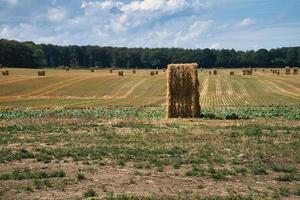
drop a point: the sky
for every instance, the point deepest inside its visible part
(214, 24)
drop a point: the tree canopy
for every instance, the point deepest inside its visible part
(31, 55)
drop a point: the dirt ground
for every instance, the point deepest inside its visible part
(107, 178)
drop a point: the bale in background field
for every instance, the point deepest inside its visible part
(92, 69)
(134, 71)
(5, 73)
(295, 70)
(231, 73)
(215, 72)
(152, 73)
(67, 68)
(156, 72)
(120, 73)
(182, 91)
(287, 70)
(164, 69)
(41, 73)
(110, 71)
(278, 72)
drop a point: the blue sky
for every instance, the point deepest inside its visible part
(238, 24)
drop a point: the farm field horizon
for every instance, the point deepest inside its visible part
(82, 88)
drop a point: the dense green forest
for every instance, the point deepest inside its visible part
(29, 54)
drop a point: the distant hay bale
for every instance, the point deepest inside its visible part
(120, 73)
(156, 72)
(134, 71)
(278, 72)
(41, 73)
(164, 69)
(5, 73)
(247, 71)
(92, 69)
(263, 70)
(152, 73)
(295, 71)
(274, 71)
(209, 73)
(231, 73)
(215, 72)
(287, 70)
(110, 71)
(183, 91)
(67, 68)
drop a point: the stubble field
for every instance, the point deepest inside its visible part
(23, 88)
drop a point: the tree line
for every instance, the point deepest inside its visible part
(31, 55)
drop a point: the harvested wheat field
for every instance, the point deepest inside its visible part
(59, 88)
(83, 135)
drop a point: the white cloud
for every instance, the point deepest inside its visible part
(11, 2)
(215, 46)
(195, 30)
(245, 22)
(56, 14)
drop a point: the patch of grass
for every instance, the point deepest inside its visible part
(297, 192)
(26, 173)
(284, 168)
(89, 193)
(288, 177)
(220, 174)
(196, 171)
(285, 192)
(258, 169)
(240, 170)
(80, 177)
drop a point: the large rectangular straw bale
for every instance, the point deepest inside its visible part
(152, 73)
(120, 73)
(134, 71)
(287, 70)
(41, 73)
(295, 70)
(183, 91)
(231, 73)
(215, 72)
(5, 73)
(92, 69)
